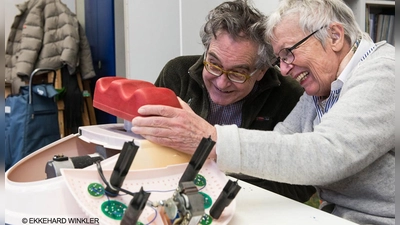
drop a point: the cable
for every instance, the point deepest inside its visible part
(155, 216)
(100, 170)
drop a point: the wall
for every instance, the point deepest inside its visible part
(194, 14)
(120, 69)
(159, 30)
(151, 36)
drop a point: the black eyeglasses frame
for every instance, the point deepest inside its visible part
(278, 59)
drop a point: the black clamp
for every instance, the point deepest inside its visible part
(121, 168)
(225, 198)
(135, 208)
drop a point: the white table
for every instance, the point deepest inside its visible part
(255, 205)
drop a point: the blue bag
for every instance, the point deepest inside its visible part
(31, 119)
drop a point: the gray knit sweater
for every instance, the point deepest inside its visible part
(349, 156)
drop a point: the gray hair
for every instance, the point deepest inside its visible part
(240, 20)
(314, 14)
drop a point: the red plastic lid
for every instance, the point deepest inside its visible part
(122, 97)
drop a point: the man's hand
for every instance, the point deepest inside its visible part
(180, 129)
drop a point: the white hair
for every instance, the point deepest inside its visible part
(314, 14)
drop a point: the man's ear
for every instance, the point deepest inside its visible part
(262, 73)
(336, 32)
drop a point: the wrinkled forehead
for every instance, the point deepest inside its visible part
(286, 33)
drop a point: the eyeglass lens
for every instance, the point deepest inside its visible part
(216, 71)
(286, 54)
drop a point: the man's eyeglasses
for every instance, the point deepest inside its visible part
(232, 75)
(286, 54)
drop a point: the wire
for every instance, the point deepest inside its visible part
(155, 216)
(100, 170)
(177, 221)
(201, 188)
(160, 190)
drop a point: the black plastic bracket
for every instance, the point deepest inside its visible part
(225, 198)
(121, 168)
(197, 160)
(135, 208)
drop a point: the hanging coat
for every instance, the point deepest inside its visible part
(46, 34)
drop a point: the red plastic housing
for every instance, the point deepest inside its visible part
(122, 97)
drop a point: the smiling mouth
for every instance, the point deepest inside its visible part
(302, 77)
(225, 92)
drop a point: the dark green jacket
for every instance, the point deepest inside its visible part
(275, 97)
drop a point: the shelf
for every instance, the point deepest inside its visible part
(363, 8)
(380, 3)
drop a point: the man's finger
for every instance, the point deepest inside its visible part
(157, 110)
(184, 105)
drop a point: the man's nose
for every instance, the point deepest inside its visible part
(223, 81)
